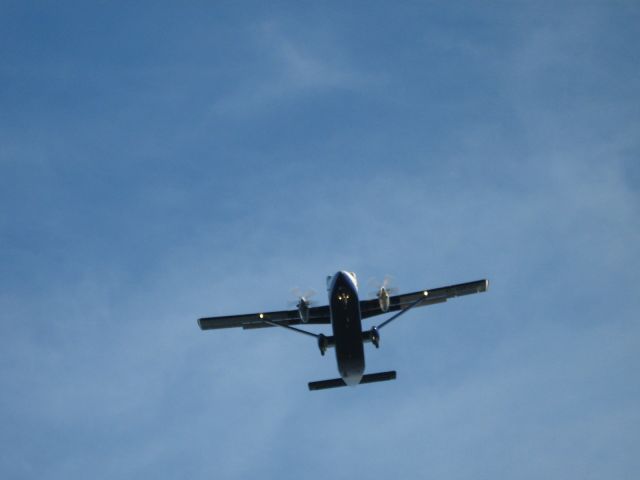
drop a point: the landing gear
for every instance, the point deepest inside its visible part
(375, 337)
(323, 344)
(372, 336)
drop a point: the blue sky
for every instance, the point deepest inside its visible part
(162, 163)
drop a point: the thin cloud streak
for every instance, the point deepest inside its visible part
(289, 69)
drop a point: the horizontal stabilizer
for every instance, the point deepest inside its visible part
(322, 384)
(378, 377)
(338, 382)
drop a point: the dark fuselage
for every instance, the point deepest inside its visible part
(347, 327)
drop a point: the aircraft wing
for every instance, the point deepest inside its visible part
(317, 315)
(370, 308)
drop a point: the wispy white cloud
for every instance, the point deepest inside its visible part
(286, 66)
(106, 372)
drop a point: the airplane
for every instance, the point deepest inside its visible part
(345, 313)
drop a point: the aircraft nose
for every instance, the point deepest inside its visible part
(338, 277)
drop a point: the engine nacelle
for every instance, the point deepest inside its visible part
(303, 310)
(383, 299)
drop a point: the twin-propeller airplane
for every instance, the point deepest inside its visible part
(345, 313)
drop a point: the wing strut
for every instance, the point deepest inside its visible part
(414, 304)
(324, 342)
(299, 330)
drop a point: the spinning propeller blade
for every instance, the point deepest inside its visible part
(386, 284)
(299, 294)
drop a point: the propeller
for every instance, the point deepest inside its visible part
(383, 292)
(303, 303)
(377, 285)
(300, 295)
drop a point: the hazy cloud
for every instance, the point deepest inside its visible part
(115, 240)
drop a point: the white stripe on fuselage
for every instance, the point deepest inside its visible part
(350, 276)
